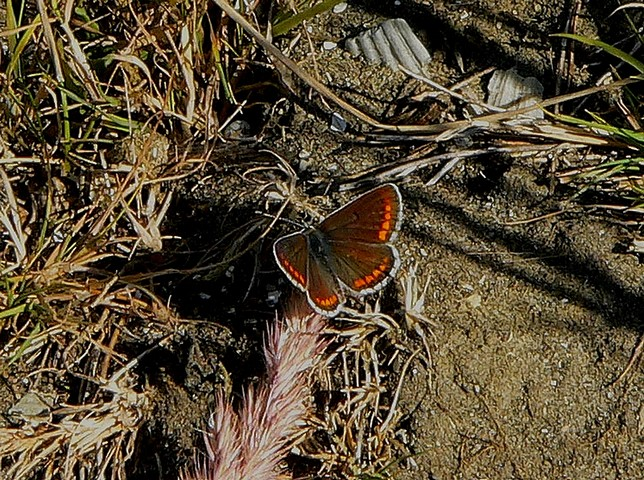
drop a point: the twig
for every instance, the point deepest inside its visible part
(566, 54)
(405, 167)
(635, 357)
(394, 402)
(534, 219)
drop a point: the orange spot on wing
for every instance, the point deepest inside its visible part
(385, 228)
(375, 276)
(327, 303)
(294, 272)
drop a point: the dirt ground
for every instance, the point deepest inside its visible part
(536, 323)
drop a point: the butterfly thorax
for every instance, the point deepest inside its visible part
(319, 245)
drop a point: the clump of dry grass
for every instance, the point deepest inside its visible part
(614, 180)
(92, 99)
(96, 437)
(356, 429)
(64, 312)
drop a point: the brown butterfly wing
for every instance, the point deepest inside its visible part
(324, 292)
(308, 273)
(292, 255)
(363, 267)
(374, 217)
(358, 236)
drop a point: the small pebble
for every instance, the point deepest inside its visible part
(237, 129)
(272, 298)
(338, 124)
(340, 7)
(30, 405)
(304, 164)
(474, 300)
(329, 45)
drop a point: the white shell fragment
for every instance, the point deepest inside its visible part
(340, 7)
(392, 42)
(507, 89)
(636, 246)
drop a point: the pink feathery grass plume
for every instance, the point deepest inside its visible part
(250, 444)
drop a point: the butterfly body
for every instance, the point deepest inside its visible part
(319, 244)
(350, 251)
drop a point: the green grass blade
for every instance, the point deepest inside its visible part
(10, 312)
(20, 46)
(284, 26)
(631, 136)
(616, 52)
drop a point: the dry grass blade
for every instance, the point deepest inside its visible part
(12, 223)
(355, 436)
(82, 439)
(415, 298)
(51, 41)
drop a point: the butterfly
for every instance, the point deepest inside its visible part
(349, 252)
